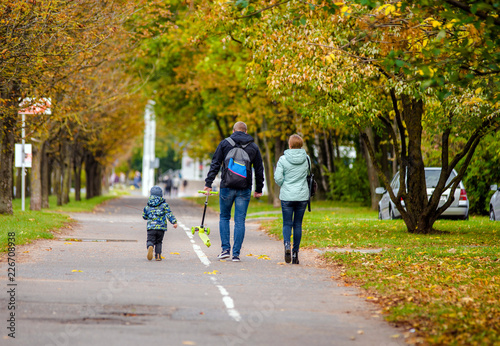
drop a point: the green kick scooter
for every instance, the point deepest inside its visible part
(203, 231)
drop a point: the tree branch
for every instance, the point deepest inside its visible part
(264, 9)
(467, 8)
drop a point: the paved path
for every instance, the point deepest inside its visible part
(107, 293)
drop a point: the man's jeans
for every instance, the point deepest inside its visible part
(293, 213)
(240, 198)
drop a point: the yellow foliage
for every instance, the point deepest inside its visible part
(330, 58)
(345, 10)
(388, 9)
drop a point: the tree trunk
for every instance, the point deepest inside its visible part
(77, 170)
(269, 171)
(98, 179)
(66, 172)
(416, 201)
(372, 173)
(27, 184)
(328, 152)
(89, 176)
(45, 174)
(384, 159)
(93, 172)
(279, 148)
(18, 193)
(36, 177)
(78, 182)
(57, 177)
(6, 163)
(321, 163)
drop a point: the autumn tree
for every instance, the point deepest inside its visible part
(201, 87)
(44, 44)
(399, 67)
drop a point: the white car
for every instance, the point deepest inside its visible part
(495, 204)
(459, 209)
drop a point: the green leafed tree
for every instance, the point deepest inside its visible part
(403, 68)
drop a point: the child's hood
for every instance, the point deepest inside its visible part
(155, 201)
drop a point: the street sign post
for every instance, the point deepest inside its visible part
(29, 107)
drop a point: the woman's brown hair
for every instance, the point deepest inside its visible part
(295, 142)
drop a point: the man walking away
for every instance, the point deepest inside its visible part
(236, 155)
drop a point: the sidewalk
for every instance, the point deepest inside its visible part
(94, 286)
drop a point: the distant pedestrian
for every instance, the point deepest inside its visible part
(236, 184)
(137, 180)
(168, 185)
(176, 183)
(290, 175)
(157, 212)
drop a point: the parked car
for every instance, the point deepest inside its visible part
(459, 209)
(495, 203)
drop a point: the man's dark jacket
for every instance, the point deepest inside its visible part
(253, 152)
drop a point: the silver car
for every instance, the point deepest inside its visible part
(495, 204)
(459, 209)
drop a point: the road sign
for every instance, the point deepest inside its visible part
(27, 155)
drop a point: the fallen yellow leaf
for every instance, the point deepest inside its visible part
(77, 271)
(211, 273)
(174, 253)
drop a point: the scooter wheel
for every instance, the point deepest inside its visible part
(208, 243)
(194, 229)
(207, 231)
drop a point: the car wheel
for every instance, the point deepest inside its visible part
(492, 214)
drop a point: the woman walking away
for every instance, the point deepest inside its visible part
(290, 175)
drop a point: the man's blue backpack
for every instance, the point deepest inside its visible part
(237, 166)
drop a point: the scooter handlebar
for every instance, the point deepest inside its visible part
(211, 192)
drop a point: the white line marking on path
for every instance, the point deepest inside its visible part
(226, 299)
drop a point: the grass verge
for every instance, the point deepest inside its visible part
(445, 288)
(32, 225)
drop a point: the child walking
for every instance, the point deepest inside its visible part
(157, 212)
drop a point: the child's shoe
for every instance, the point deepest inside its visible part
(150, 253)
(158, 257)
(295, 257)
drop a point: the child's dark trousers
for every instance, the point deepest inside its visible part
(155, 239)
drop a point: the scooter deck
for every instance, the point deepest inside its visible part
(203, 234)
(204, 238)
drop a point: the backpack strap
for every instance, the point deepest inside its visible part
(233, 143)
(309, 164)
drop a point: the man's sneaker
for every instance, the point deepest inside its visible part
(158, 257)
(150, 253)
(288, 253)
(236, 259)
(224, 254)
